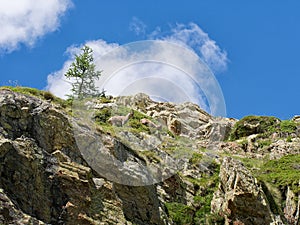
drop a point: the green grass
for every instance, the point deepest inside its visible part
(104, 100)
(177, 147)
(264, 143)
(203, 200)
(151, 156)
(275, 175)
(102, 116)
(181, 214)
(288, 126)
(252, 163)
(282, 172)
(196, 158)
(289, 139)
(264, 126)
(253, 125)
(44, 95)
(200, 211)
(243, 143)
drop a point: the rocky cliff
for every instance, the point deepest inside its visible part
(64, 163)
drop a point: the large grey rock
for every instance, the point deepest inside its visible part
(292, 207)
(186, 119)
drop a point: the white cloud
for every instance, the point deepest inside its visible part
(194, 37)
(24, 21)
(137, 26)
(164, 71)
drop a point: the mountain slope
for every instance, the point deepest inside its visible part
(65, 164)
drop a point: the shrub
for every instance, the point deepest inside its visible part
(288, 126)
(48, 96)
(102, 115)
(104, 99)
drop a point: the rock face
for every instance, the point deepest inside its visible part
(42, 170)
(292, 207)
(184, 119)
(239, 197)
(47, 177)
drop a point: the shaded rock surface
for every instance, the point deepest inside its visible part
(239, 197)
(46, 177)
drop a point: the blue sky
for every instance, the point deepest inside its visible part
(255, 44)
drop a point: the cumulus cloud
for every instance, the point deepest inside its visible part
(24, 21)
(137, 26)
(168, 69)
(194, 37)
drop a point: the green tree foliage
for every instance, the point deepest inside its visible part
(82, 72)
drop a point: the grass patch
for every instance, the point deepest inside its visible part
(200, 211)
(253, 125)
(203, 200)
(151, 155)
(104, 99)
(264, 143)
(44, 95)
(196, 158)
(264, 126)
(289, 139)
(180, 214)
(243, 143)
(179, 147)
(102, 116)
(288, 126)
(282, 172)
(251, 163)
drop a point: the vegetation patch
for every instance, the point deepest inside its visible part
(264, 126)
(289, 139)
(282, 172)
(196, 158)
(151, 155)
(200, 211)
(253, 125)
(252, 163)
(44, 95)
(288, 126)
(262, 143)
(180, 213)
(203, 200)
(102, 116)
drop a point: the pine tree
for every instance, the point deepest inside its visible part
(82, 70)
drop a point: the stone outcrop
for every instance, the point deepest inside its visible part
(292, 207)
(10, 214)
(182, 119)
(239, 198)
